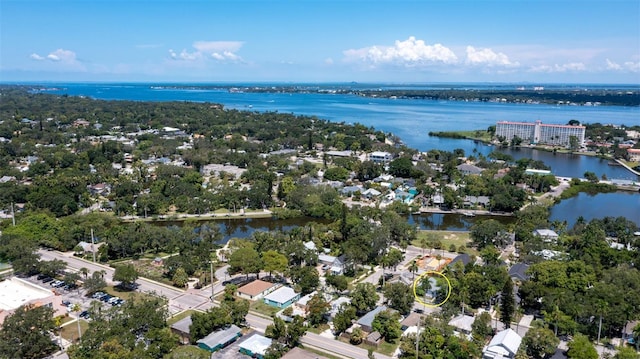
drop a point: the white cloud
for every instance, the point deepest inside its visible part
(35, 56)
(65, 56)
(409, 52)
(328, 61)
(488, 57)
(626, 66)
(568, 67)
(612, 65)
(217, 50)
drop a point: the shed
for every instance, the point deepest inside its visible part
(282, 297)
(255, 346)
(220, 339)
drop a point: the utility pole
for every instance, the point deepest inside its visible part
(211, 262)
(93, 246)
(13, 215)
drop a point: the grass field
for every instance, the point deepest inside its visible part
(70, 331)
(262, 308)
(446, 239)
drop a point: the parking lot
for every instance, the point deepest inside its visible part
(70, 296)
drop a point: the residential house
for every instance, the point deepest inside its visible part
(627, 332)
(467, 169)
(181, 328)
(504, 345)
(220, 339)
(256, 289)
(380, 157)
(336, 265)
(476, 201)
(373, 339)
(366, 321)
(371, 193)
(633, 154)
(547, 235)
(89, 247)
(462, 323)
(255, 346)
(282, 297)
(518, 272)
(302, 302)
(464, 258)
(350, 190)
(336, 304)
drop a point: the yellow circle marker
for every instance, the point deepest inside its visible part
(428, 274)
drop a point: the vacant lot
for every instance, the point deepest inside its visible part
(444, 240)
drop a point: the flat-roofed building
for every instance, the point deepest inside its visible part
(15, 292)
(220, 339)
(539, 133)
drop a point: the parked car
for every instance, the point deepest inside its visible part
(56, 283)
(85, 314)
(47, 280)
(119, 301)
(41, 276)
(105, 298)
(66, 303)
(113, 299)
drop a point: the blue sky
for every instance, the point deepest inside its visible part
(541, 41)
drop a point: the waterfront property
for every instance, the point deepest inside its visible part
(539, 133)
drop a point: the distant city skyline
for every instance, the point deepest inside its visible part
(543, 41)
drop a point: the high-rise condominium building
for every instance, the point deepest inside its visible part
(539, 133)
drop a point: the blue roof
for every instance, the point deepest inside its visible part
(368, 318)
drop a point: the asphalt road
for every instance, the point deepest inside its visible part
(180, 300)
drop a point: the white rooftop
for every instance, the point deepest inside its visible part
(281, 295)
(256, 344)
(505, 343)
(15, 292)
(462, 322)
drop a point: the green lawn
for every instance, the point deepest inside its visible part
(188, 352)
(447, 238)
(317, 330)
(127, 295)
(383, 348)
(262, 308)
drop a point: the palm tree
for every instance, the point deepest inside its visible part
(84, 271)
(413, 268)
(76, 308)
(357, 336)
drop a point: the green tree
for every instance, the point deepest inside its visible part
(307, 279)
(401, 167)
(95, 282)
(245, 260)
(357, 336)
(25, 333)
(344, 318)
(317, 309)
(339, 282)
(364, 297)
(591, 177)
(204, 323)
(387, 323)
(507, 303)
(581, 348)
(626, 353)
(489, 232)
(126, 275)
(274, 262)
(540, 342)
(481, 327)
(180, 278)
(399, 296)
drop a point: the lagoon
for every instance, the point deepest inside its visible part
(589, 206)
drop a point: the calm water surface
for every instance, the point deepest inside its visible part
(412, 120)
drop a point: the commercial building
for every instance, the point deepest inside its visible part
(539, 133)
(15, 292)
(220, 339)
